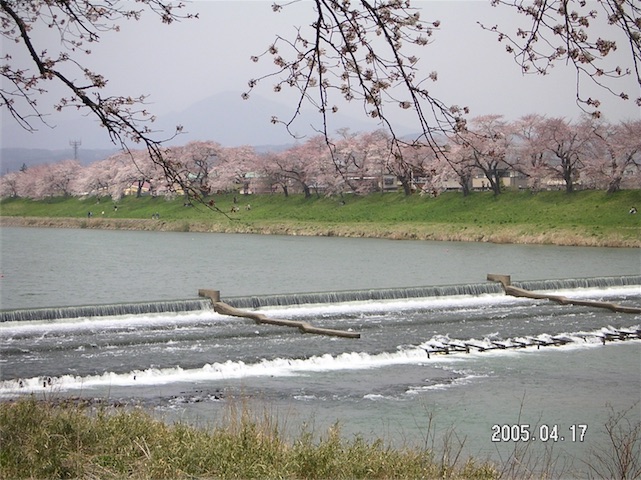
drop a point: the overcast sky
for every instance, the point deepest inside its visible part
(183, 63)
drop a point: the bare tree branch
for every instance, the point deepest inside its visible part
(568, 31)
(79, 24)
(358, 51)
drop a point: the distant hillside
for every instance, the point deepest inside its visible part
(231, 121)
(224, 118)
(12, 159)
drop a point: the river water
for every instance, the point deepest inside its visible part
(47, 267)
(192, 366)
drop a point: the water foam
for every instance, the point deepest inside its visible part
(281, 367)
(8, 329)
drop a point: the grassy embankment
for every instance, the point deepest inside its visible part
(70, 439)
(590, 218)
(47, 440)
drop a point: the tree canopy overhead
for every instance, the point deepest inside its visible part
(79, 24)
(581, 33)
(368, 51)
(362, 52)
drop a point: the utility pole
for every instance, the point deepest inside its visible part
(75, 144)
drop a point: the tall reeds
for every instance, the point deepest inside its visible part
(62, 440)
(71, 439)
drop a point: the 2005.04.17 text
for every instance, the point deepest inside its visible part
(544, 433)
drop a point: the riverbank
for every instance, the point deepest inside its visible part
(399, 231)
(552, 218)
(98, 441)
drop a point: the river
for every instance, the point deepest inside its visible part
(192, 366)
(52, 267)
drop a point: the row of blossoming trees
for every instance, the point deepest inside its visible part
(533, 152)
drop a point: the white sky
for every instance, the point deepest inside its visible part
(180, 64)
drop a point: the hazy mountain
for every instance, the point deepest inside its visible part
(224, 118)
(12, 159)
(231, 121)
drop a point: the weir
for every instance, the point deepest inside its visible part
(515, 291)
(571, 283)
(422, 292)
(260, 301)
(105, 310)
(226, 309)
(286, 300)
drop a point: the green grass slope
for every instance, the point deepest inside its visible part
(581, 218)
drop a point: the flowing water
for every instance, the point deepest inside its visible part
(186, 362)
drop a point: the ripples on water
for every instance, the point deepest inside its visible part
(54, 267)
(190, 366)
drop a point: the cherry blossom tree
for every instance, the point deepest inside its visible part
(614, 156)
(487, 141)
(591, 153)
(47, 180)
(360, 51)
(361, 160)
(306, 167)
(461, 160)
(292, 168)
(10, 185)
(232, 169)
(527, 150)
(417, 162)
(269, 173)
(580, 33)
(97, 178)
(62, 178)
(135, 169)
(28, 180)
(439, 176)
(23, 182)
(193, 163)
(78, 25)
(565, 145)
(326, 176)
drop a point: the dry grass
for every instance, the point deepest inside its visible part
(75, 439)
(46, 440)
(570, 236)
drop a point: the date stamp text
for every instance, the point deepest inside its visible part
(543, 433)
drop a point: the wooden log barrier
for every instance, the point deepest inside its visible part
(520, 292)
(304, 327)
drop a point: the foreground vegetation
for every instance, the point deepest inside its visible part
(47, 440)
(582, 218)
(72, 438)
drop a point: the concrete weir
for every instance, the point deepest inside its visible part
(506, 281)
(304, 327)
